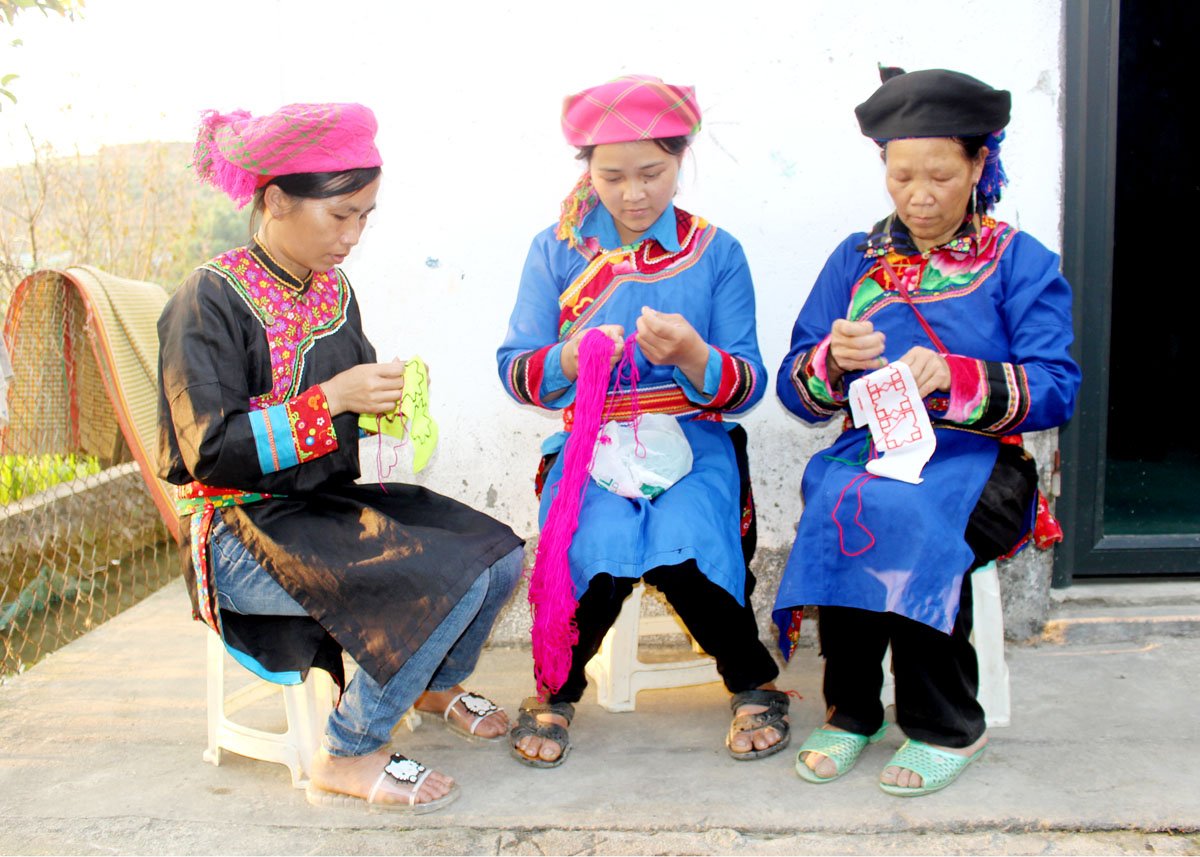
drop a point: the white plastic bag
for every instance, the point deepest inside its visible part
(659, 458)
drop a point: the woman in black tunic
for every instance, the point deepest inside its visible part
(263, 372)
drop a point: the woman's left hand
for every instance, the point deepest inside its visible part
(668, 339)
(930, 370)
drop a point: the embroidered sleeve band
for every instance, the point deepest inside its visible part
(737, 383)
(812, 383)
(987, 395)
(525, 376)
(293, 432)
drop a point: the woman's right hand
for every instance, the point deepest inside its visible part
(853, 346)
(369, 388)
(569, 356)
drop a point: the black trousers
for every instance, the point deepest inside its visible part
(937, 674)
(724, 629)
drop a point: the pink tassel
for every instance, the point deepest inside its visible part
(213, 167)
(551, 589)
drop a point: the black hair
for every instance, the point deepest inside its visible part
(316, 186)
(671, 145)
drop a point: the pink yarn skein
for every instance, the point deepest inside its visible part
(551, 589)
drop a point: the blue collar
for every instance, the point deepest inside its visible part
(599, 224)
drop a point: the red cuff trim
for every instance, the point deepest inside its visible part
(312, 425)
(525, 376)
(736, 384)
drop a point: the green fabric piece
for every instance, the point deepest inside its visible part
(410, 417)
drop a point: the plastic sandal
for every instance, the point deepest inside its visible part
(938, 768)
(528, 724)
(777, 704)
(479, 707)
(843, 748)
(400, 769)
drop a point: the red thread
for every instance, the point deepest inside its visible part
(862, 479)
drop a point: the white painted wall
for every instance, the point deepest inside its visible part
(468, 96)
(475, 165)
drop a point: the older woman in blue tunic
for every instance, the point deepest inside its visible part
(980, 313)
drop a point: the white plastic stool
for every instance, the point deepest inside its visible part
(307, 707)
(987, 635)
(619, 674)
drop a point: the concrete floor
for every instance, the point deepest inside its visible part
(100, 752)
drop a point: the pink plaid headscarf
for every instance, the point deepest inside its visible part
(634, 107)
(237, 153)
(630, 108)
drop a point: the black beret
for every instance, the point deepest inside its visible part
(933, 102)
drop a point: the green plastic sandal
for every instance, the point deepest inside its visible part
(938, 768)
(843, 748)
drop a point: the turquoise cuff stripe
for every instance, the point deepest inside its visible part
(285, 444)
(285, 448)
(258, 425)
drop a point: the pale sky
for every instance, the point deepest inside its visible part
(132, 70)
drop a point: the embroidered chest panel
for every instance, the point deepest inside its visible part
(646, 263)
(949, 272)
(292, 322)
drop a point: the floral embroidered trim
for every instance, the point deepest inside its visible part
(291, 322)
(942, 274)
(311, 424)
(295, 431)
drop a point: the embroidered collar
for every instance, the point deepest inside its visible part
(285, 277)
(891, 234)
(599, 224)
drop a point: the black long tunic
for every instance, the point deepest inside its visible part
(243, 345)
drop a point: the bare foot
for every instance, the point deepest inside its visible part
(536, 747)
(357, 775)
(906, 779)
(435, 702)
(757, 739)
(819, 763)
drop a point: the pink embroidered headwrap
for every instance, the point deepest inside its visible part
(236, 152)
(630, 108)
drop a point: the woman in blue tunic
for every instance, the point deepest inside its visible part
(982, 316)
(623, 259)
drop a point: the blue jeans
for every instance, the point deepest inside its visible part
(363, 720)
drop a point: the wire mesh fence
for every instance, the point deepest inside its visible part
(82, 532)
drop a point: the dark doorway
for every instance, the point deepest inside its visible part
(1152, 483)
(1131, 468)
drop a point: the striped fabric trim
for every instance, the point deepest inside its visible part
(525, 374)
(808, 386)
(1008, 398)
(273, 439)
(663, 399)
(738, 381)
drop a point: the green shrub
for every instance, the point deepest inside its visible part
(22, 475)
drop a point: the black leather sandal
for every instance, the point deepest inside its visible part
(777, 704)
(528, 725)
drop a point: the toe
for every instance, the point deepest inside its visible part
(764, 738)
(550, 751)
(888, 777)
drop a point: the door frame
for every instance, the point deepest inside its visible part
(1091, 33)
